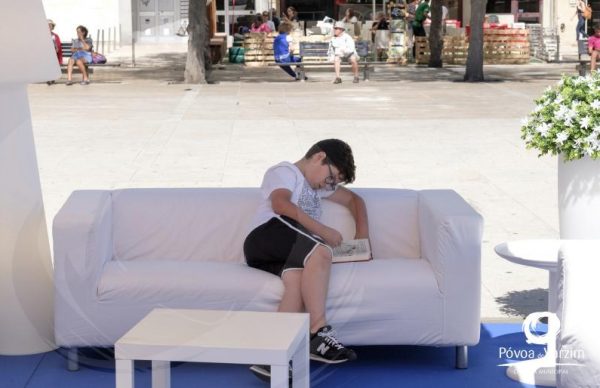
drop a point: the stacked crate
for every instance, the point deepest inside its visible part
(500, 46)
(258, 49)
(543, 42)
(397, 50)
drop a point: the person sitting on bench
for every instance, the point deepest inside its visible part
(342, 48)
(282, 49)
(82, 55)
(594, 47)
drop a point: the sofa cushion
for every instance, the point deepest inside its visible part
(208, 284)
(182, 224)
(394, 296)
(211, 224)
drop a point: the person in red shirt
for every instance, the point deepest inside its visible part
(594, 47)
(56, 41)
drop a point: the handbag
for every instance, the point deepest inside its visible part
(587, 12)
(98, 58)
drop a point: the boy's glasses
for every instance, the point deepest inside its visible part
(330, 181)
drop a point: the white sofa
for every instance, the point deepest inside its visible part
(120, 253)
(578, 290)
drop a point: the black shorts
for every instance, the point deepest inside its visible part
(278, 245)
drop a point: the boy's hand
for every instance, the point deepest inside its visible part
(331, 236)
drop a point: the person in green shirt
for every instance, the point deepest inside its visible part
(420, 17)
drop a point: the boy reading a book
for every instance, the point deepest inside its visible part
(288, 240)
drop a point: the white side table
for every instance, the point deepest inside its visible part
(541, 254)
(233, 337)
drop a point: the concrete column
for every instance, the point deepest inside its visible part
(566, 23)
(26, 287)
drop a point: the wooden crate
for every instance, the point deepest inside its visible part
(509, 46)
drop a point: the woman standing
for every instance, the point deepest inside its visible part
(579, 12)
(382, 35)
(82, 55)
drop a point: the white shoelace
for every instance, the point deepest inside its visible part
(328, 337)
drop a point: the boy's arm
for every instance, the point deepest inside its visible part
(282, 205)
(357, 207)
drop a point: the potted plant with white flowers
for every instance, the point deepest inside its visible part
(566, 122)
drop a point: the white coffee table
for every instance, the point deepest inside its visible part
(541, 254)
(232, 337)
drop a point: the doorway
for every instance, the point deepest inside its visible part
(157, 20)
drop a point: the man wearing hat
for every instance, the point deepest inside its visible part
(342, 48)
(56, 41)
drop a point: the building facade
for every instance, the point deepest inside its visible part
(165, 20)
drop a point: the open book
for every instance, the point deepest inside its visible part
(352, 250)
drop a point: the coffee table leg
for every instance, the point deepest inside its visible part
(124, 373)
(280, 376)
(301, 365)
(161, 374)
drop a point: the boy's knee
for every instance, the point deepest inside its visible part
(322, 253)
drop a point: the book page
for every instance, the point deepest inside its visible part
(351, 248)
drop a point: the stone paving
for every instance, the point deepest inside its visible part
(410, 127)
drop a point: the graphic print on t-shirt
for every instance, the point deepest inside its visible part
(310, 202)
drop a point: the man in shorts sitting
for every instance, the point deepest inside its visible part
(342, 48)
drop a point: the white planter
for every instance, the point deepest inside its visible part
(579, 198)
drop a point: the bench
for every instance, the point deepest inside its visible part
(583, 57)
(67, 53)
(315, 54)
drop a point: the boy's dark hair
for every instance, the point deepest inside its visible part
(596, 27)
(339, 154)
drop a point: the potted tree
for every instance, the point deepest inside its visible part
(566, 122)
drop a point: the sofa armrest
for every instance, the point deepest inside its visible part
(578, 289)
(450, 234)
(82, 232)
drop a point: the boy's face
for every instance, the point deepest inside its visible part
(320, 174)
(597, 33)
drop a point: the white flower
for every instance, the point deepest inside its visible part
(595, 104)
(538, 108)
(568, 121)
(561, 137)
(562, 111)
(524, 121)
(575, 104)
(543, 129)
(585, 122)
(596, 130)
(548, 89)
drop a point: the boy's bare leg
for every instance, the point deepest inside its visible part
(593, 58)
(337, 65)
(315, 284)
(292, 295)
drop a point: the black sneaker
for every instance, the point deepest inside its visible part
(355, 80)
(324, 347)
(263, 372)
(338, 80)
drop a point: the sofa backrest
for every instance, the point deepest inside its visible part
(211, 223)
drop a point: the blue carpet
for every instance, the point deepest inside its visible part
(376, 367)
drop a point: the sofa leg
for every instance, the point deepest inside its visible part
(73, 359)
(462, 357)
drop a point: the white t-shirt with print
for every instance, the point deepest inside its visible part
(286, 175)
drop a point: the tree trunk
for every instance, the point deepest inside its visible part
(436, 40)
(197, 66)
(474, 71)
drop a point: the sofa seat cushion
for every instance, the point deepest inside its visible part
(208, 284)
(397, 296)
(385, 302)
